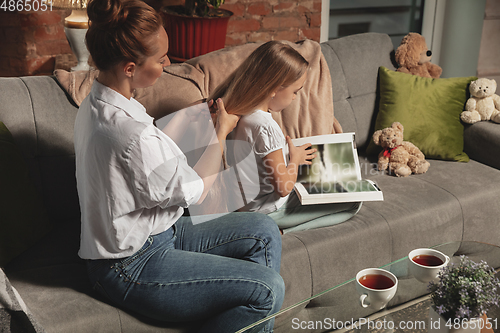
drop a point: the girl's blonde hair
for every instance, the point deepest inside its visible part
(272, 65)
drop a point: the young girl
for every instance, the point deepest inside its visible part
(133, 183)
(269, 80)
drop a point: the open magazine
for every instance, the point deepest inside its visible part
(335, 174)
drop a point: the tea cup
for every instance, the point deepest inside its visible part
(376, 287)
(425, 264)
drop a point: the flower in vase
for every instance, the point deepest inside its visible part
(465, 290)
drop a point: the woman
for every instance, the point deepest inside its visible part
(134, 182)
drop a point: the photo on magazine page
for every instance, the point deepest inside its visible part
(334, 175)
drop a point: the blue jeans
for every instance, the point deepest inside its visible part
(224, 271)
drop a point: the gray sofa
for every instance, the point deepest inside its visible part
(452, 201)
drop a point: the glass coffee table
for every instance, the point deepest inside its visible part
(408, 311)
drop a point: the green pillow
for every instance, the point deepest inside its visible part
(429, 109)
(22, 215)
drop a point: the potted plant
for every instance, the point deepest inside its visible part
(463, 294)
(196, 28)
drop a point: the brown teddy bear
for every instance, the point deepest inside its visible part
(414, 57)
(402, 157)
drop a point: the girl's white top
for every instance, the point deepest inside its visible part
(132, 179)
(264, 135)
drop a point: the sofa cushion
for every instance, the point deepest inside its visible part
(429, 110)
(480, 140)
(14, 315)
(475, 187)
(62, 300)
(23, 216)
(53, 166)
(354, 79)
(170, 92)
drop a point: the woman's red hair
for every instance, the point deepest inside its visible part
(121, 30)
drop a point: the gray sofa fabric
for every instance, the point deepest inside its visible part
(41, 117)
(14, 315)
(452, 201)
(354, 68)
(481, 141)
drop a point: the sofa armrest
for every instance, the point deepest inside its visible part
(482, 143)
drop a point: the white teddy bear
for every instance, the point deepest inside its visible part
(483, 104)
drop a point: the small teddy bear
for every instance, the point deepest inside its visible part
(414, 57)
(483, 104)
(401, 157)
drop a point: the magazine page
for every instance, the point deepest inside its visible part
(192, 130)
(335, 174)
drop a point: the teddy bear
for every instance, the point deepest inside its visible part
(401, 157)
(483, 104)
(414, 57)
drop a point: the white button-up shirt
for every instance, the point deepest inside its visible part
(132, 179)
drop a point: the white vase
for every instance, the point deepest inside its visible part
(76, 40)
(75, 27)
(439, 325)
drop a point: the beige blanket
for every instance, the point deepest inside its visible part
(183, 84)
(169, 94)
(77, 84)
(312, 111)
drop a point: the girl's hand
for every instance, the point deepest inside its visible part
(225, 122)
(301, 154)
(281, 176)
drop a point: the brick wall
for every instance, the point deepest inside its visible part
(30, 41)
(260, 21)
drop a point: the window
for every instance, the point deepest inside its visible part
(394, 17)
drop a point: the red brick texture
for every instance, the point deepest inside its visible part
(31, 41)
(261, 21)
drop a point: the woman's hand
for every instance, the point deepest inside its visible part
(208, 166)
(195, 114)
(225, 122)
(301, 154)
